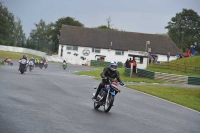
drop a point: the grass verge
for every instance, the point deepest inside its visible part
(187, 97)
(15, 55)
(1, 63)
(96, 74)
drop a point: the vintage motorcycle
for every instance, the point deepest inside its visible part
(22, 66)
(45, 65)
(41, 64)
(64, 65)
(8, 61)
(106, 96)
(31, 65)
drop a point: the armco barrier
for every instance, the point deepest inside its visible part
(127, 72)
(145, 73)
(194, 80)
(103, 64)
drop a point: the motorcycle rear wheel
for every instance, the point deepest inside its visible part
(109, 103)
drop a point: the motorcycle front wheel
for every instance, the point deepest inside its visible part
(96, 106)
(109, 103)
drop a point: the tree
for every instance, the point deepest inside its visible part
(57, 28)
(40, 36)
(108, 27)
(18, 36)
(103, 27)
(184, 28)
(6, 26)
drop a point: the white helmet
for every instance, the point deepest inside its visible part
(113, 65)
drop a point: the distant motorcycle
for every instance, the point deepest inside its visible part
(8, 61)
(64, 65)
(41, 64)
(31, 65)
(45, 65)
(106, 96)
(22, 66)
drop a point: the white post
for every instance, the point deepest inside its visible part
(131, 73)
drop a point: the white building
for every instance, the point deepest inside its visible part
(80, 45)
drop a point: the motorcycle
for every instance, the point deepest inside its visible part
(106, 96)
(8, 61)
(22, 66)
(45, 65)
(31, 65)
(64, 65)
(41, 64)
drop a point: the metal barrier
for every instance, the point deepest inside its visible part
(145, 73)
(194, 80)
(127, 72)
(103, 64)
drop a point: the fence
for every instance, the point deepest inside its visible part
(103, 64)
(178, 67)
(127, 71)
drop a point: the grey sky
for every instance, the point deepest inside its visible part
(144, 16)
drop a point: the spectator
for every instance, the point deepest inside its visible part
(127, 64)
(130, 61)
(134, 66)
(168, 56)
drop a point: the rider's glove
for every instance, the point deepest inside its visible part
(122, 84)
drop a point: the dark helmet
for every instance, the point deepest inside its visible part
(24, 56)
(113, 65)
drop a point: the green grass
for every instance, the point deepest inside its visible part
(192, 60)
(187, 97)
(15, 55)
(96, 74)
(1, 63)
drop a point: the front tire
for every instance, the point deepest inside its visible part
(96, 106)
(109, 103)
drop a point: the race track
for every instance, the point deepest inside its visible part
(54, 100)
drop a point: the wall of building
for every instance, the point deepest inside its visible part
(109, 53)
(163, 58)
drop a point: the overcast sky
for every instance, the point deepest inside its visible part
(144, 16)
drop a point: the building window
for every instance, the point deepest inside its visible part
(96, 50)
(117, 52)
(72, 48)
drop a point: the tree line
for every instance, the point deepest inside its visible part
(183, 29)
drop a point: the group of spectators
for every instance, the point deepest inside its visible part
(131, 62)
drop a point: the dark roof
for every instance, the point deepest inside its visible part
(101, 38)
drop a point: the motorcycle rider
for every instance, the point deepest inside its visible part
(108, 73)
(32, 59)
(23, 57)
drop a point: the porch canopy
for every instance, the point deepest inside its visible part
(141, 57)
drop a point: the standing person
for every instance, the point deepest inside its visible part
(127, 64)
(130, 61)
(168, 56)
(134, 66)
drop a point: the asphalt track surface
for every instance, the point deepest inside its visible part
(54, 100)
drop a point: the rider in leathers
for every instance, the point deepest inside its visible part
(108, 73)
